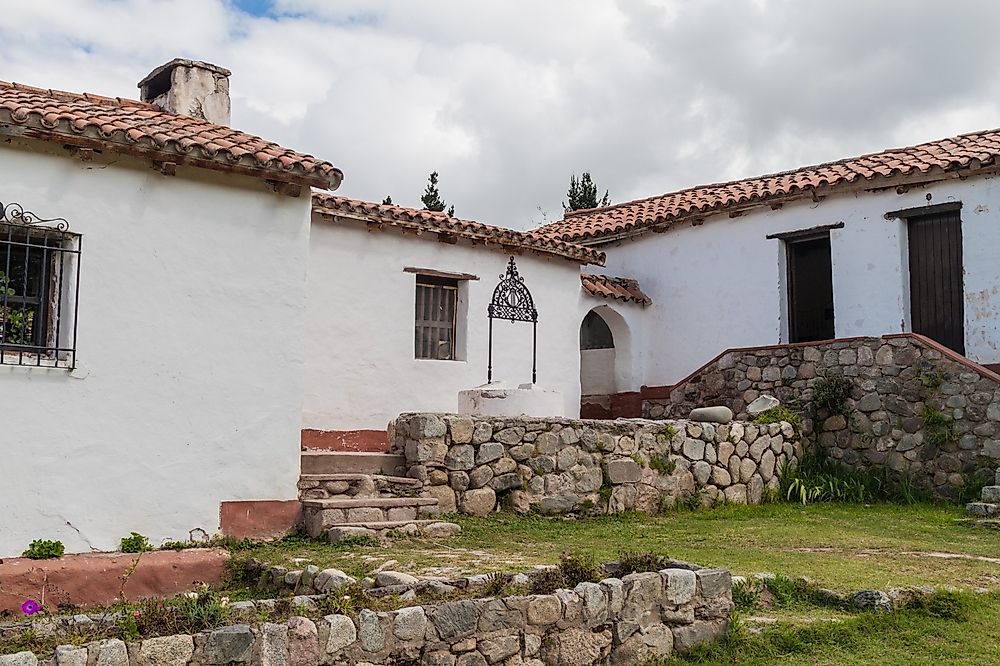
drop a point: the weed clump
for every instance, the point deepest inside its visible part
(44, 549)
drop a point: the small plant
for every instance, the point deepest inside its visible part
(690, 502)
(632, 562)
(134, 543)
(495, 584)
(670, 432)
(662, 463)
(638, 460)
(578, 569)
(777, 415)
(44, 549)
(938, 427)
(746, 594)
(831, 392)
(790, 592)
(943, 604)
(932, 380)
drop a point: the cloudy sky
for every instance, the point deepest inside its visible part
(507, 98)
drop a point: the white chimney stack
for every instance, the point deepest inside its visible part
(190, 88)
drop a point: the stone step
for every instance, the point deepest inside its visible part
(991, 523)
(332, 486)
(982, 509)
(991, 494)
(320, 515)
(324, 462)
(375, 502)
(389, 528)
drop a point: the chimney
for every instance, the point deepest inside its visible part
(190, 88)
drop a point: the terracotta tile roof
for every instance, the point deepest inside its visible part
(137, 128)
(931, 161)
(449, 229)
(607, 286)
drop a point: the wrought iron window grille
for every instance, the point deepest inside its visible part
(39, 289)
(512, 301)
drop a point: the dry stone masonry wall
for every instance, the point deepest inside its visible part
(476, 465)
(627, 619)
(912, 405)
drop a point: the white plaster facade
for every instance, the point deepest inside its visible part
(188, 385)
(361, 372)
(722, 284)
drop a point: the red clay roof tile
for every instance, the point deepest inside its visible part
(936, 158)
(607, 286)
(443, 226)
(132, 127)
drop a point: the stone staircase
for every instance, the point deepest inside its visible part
(987, 511)
(350, 494)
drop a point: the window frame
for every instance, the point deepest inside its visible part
(56, 278)
(451, 287)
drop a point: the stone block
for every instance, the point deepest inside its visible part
(461, 457)
(370, 632)
(719, 414)
(70, 655)
(483, 432)
(478, 502)
(303, 642)
(693, 449)
(166, 651)
(113, 652)
(228, 645)
(456, 619)
(461, 429)
(410, 623)
(575, 647)
(426, 426)
(18, 659)
(991, 494)
(736, 494)
(342, 635)
(543, 610)
(679, 585)
(625, 470)
(505, 482)
(702, 631)
(489, 452)
(497, 649)
(714, 583)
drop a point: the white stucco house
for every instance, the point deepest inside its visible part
(897, 241)
(152, 312)
(397, 316)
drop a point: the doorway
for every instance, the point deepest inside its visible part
(810, 289)
(937, 302)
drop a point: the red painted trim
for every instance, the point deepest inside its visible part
(656, 392)
(259, 519)
(95, 579)
(353, 441)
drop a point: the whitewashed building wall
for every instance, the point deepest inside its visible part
(722, 284)
(188, 385)
(361, 372)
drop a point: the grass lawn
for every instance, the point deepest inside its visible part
(844, 547)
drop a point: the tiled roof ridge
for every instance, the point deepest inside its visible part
(141, 128)
(929, 160)
(68, 96)
(613, 286)
(775, 174)
(441, 223)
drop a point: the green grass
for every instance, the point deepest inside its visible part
(845, 547)
(908, 636)
(840, 546)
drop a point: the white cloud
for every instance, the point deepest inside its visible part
(507, 98)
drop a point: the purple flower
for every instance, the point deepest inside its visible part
(31, 607)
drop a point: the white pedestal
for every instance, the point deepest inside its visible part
(501, 399)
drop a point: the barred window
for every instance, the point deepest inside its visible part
(436, 317)
(39, 267)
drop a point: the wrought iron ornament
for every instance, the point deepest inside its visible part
(512, 301)
(14, 213)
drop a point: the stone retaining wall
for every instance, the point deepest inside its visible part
(627, 619)
(557, 466)
(893, 379)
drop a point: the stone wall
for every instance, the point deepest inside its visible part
(556, 466)
(884, 421)
(627, 619)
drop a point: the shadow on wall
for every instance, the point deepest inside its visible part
(606, 366)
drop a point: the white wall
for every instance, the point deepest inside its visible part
(722, 284)
(188, 384)
(360, 369)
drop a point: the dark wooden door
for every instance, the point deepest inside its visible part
(810, 289)
(937, 302)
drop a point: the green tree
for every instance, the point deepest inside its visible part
(432, 196)
(582, 194)
(387, 201)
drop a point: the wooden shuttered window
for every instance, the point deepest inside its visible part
(436, 317)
